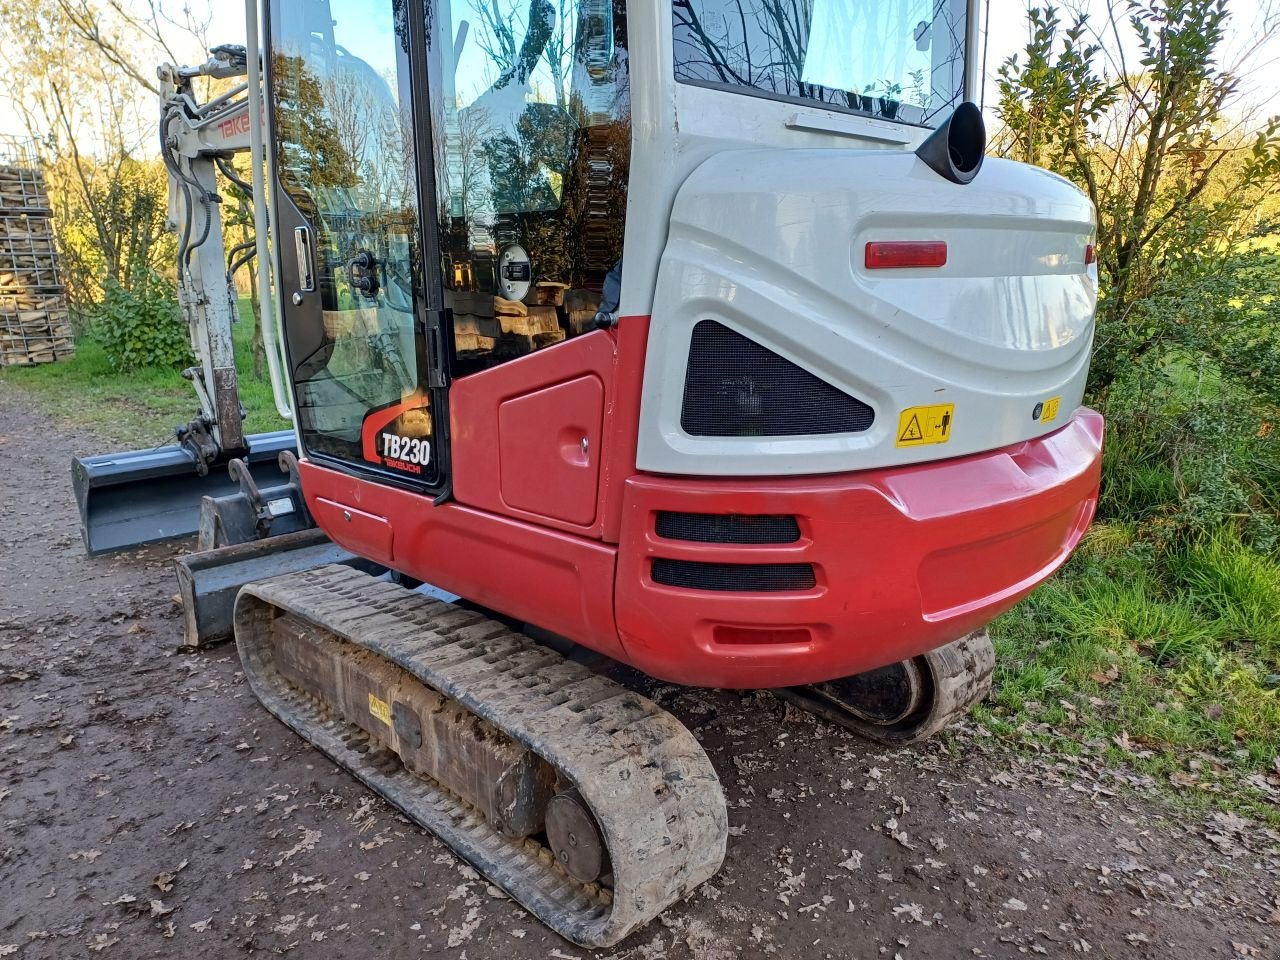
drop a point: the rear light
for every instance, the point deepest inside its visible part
(725, 635)
(1090, 254)
(889, 254)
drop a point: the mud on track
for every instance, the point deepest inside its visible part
(150, 808)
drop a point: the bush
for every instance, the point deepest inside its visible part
(140, 325)
(1191, 455)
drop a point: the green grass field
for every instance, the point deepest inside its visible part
(142, 408)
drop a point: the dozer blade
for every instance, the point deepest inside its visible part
(590, 805)
(209, 580)
(130, 499)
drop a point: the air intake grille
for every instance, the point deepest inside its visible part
(721, 528)
(731, 577)
(734, 387)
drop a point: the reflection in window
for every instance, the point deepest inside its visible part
(894, 59)
(531, 122)
(345, 158)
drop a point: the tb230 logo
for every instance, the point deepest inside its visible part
(409, 453)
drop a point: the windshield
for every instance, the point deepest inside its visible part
(900, 60)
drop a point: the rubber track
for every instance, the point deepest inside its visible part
(960, 675)
(649, 783)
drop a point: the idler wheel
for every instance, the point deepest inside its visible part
(575, 839)
(882, 696)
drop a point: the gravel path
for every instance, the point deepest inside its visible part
(150, 808)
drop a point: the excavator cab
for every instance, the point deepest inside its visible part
(452, 204)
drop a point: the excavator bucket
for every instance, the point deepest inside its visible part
(144, 496)
(209, 580)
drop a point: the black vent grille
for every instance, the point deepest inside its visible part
(732, 528)
(733, 577)
(734, 387)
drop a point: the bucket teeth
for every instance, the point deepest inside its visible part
(475, 731)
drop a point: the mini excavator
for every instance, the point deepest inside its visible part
(699, 333)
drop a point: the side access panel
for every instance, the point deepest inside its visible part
(548, 443)
(518, 432)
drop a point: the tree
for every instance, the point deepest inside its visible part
(1178, 170)
(92, 116)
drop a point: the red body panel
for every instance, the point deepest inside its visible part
(510, 426)
(548, 443)
(906, 559)
(558, 581)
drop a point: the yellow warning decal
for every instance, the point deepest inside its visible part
(380, 709)
(918, 426)
(1050, 411)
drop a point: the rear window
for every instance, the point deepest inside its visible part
(898, 60)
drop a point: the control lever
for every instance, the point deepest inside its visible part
(362, 272)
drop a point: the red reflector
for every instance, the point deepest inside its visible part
(1090, 254)
(760, 636)
(906, 253)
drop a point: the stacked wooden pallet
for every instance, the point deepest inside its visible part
(35, 326)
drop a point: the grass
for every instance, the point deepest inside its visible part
(1171, 666)
(142, 408)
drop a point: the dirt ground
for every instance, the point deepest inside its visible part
(150, 808)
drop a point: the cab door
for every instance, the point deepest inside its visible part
(355, 235)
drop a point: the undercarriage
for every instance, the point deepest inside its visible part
(590, 805)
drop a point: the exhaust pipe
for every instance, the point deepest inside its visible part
(957, 148)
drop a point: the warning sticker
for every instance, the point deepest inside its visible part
(1050, 411)
(380, 709)
(918, 426)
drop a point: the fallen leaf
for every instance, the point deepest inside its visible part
(854, 862)
(164, 881)
(1107, 677)
(913, 911)
(158, 909)
(1013, 903)
(101, 942)
(200, 926)
(88, 856)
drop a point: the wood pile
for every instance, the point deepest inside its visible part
(35, 326)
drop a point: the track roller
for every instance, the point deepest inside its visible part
(590, 805)
(909, 701)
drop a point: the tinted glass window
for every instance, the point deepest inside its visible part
(345, 158)
(894, 59)
(531, 122)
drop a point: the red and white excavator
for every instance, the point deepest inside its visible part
(697, 332)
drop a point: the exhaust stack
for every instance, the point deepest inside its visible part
(956, 149)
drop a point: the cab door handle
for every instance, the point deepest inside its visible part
(302, 245)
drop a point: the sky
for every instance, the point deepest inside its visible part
(1005, 32)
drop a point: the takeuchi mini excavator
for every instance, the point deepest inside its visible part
(698, 333)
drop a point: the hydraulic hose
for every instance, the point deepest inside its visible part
(268, 305)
